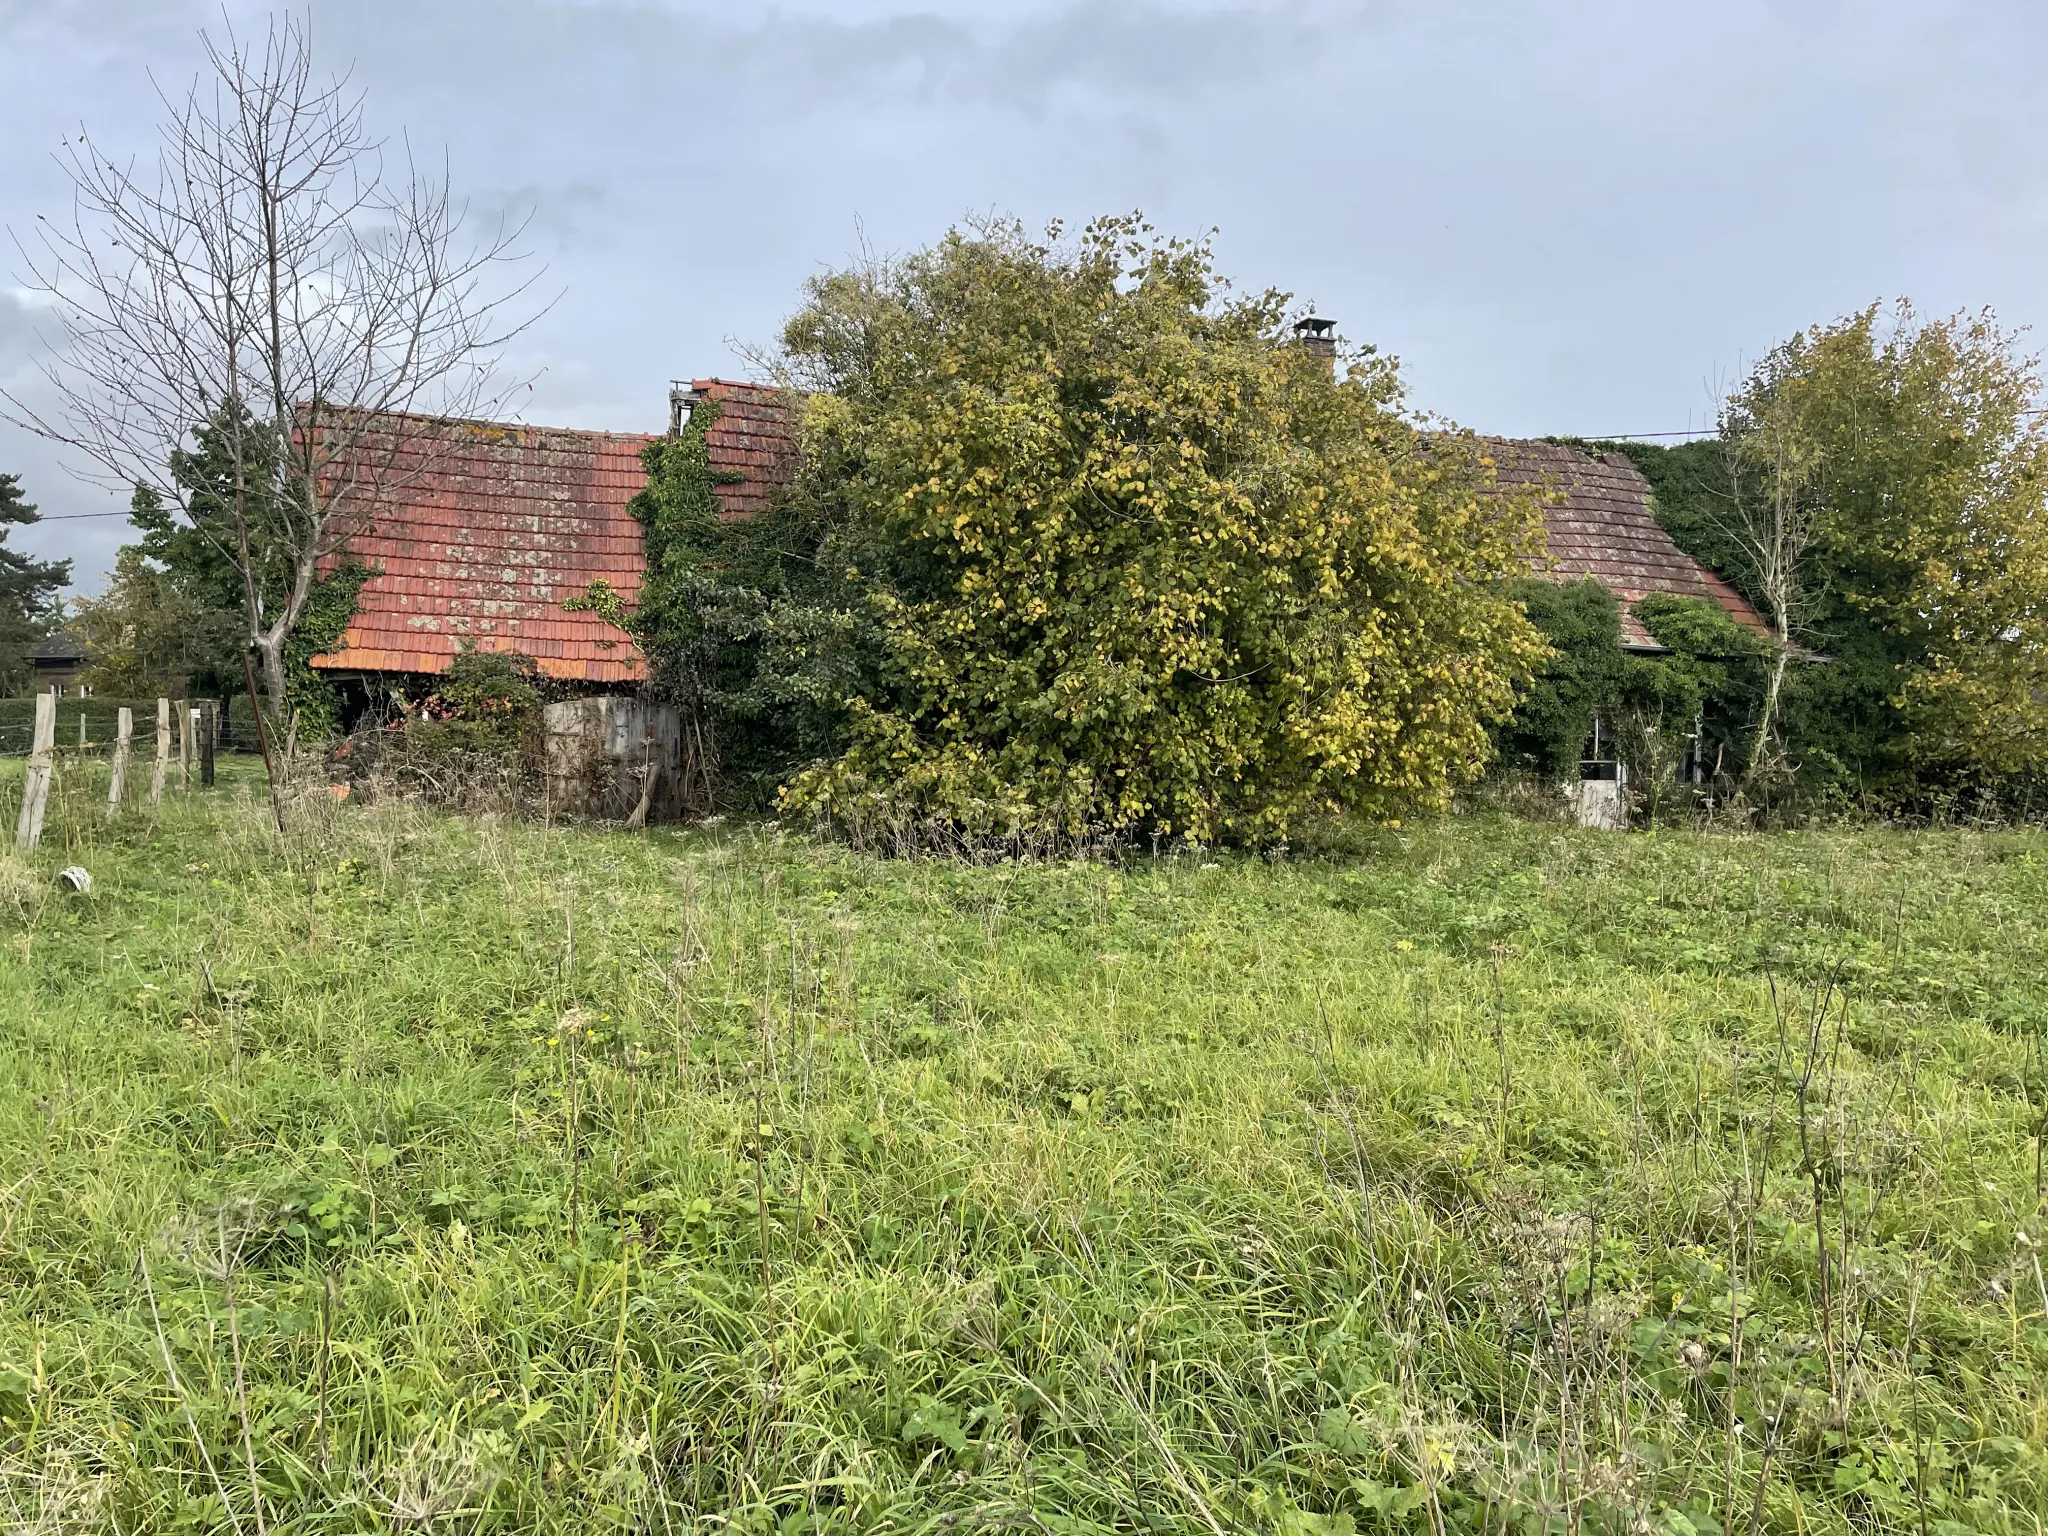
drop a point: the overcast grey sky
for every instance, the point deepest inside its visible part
(1563, 217)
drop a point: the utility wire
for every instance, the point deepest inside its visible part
(74, 517)
(1619, 437)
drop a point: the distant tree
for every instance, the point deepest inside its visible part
(273, 286)
(1774, 521)
(195, 546)
(1135, 559)
(1922, 478)
(1911, 459)
(155, 630)
(194, 535)
(1837, 724)
(28, 589)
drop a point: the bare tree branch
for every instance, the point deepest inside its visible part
(271, 279)
(1772, 521)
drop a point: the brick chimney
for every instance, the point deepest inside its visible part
(1318, 338)
(682, 399)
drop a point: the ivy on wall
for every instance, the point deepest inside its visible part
(747, 623)
(1706, 684)
(330, 609)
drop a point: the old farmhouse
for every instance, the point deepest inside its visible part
(499, 525)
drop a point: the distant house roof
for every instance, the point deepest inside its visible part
(1598, 524)
(487, 529)
(60, 649)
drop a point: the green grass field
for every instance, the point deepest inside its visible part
(434, 1175)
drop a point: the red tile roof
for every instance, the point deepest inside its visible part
(754, 437)
(1598, 523)
(487, 529)
(492, 527)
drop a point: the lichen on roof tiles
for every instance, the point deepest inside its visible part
(480, 530)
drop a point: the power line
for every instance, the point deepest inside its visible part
(73, 517)
(1615, 437)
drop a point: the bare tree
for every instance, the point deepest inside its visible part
(1775, 469)
(270, 281)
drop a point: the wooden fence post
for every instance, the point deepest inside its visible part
(124, 733)
(184, 746)
(163, 752)
(35, 790)
(209, 729)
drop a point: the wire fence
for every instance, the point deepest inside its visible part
(90, 722)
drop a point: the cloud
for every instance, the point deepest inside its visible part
(806, 62)
(19, 314)
(562, 215)
(1561, 217)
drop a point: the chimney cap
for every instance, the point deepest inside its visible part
(1314, 326)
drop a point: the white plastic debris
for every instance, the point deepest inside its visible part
(74, 878)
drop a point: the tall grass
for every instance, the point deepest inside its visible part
(488, 1177)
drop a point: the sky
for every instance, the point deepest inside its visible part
(1580, 217)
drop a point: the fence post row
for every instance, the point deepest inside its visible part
(124, 733)
(35, 791)
(163, 752)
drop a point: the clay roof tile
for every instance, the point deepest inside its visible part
(1598, 523)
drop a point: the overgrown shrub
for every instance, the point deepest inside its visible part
(485, 701)
(1123, 556)
(1702, 690)
(474, 743)
(751, 625)
(1581, 621)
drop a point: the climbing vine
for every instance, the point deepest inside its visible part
(744, 623)
(330, 608)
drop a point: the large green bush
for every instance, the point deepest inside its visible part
(1705, 686)
(1132, 558)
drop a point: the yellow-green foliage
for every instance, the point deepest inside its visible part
(1918, 458)
(1137, 559)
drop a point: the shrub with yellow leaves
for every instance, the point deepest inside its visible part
(1135, 560)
